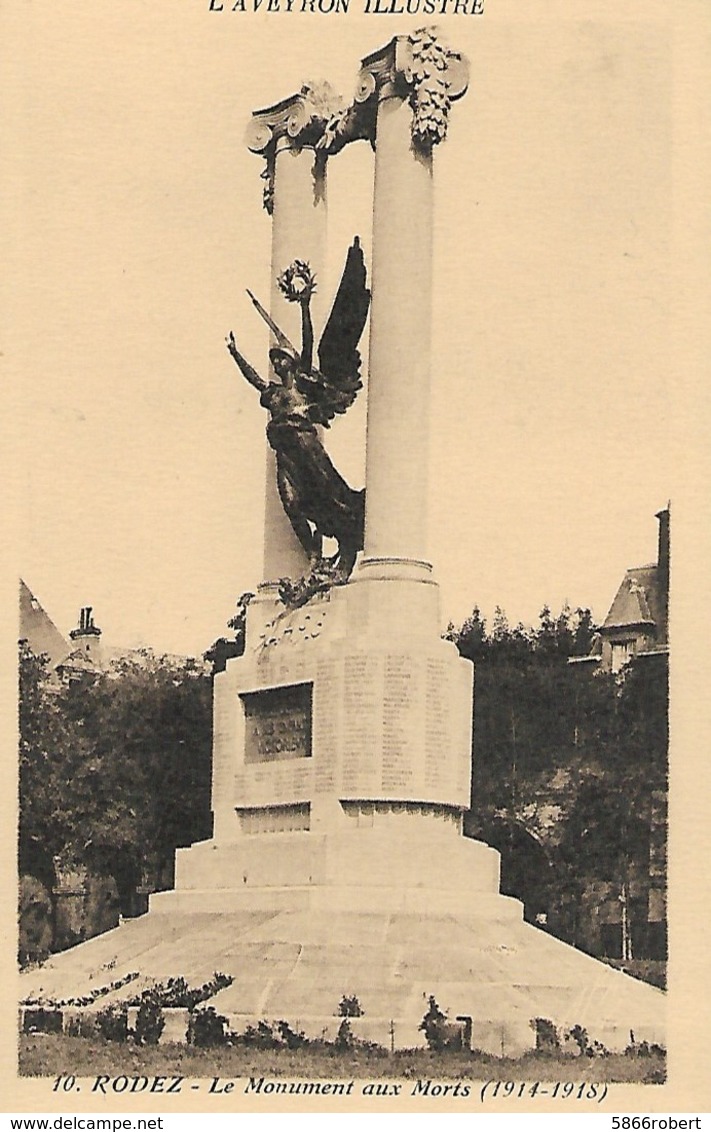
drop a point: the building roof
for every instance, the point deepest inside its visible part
(637, 601)
(78, 659)
(38, 629)
(42, 635)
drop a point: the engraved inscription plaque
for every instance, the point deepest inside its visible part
(277, 723)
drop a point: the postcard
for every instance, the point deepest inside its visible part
(359, 358)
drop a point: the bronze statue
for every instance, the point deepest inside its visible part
(316, 498)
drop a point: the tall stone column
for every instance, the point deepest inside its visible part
(413, 80)
(295, 195)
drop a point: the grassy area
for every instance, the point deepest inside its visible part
(51, 1054)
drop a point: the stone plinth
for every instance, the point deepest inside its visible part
(332, 720)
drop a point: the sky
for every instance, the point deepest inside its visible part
(139, 226)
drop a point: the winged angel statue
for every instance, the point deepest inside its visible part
(316, 498)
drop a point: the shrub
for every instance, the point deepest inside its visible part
(580, 1036)
(274, 1035)
(207, 1028)
(644, 1049)
(177, 993)
(345, 1038)
(43, 1020)
(438, 1032)
(112, 1023)
(350, 1007)
(587, 1048)
(149, 1020)
(547, 1040)
(260, 1036)
(292, 1039)
(85, 999)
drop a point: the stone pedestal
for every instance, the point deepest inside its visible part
(331, 710)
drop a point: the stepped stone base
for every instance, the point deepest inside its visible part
(381, 870)
(294, 949)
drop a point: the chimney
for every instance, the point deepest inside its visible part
(663, 571)
(88, 635)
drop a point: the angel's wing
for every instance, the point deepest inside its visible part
(333, 387)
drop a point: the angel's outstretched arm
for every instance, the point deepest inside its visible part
(245, 368)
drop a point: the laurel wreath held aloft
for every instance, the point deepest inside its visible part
(298, 282)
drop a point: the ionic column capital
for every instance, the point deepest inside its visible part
(296, 123)
(423, 69)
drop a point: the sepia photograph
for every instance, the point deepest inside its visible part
(360, 482)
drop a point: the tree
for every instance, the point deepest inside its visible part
(605, 833)
(584, 632)
(114, 770)
(143, 787)
(576, 759)
(45, 748)
(471, 639)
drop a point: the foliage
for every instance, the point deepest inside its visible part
(586, 1047)
(345, 1038)
(579, 1035)
(292, 1039)
(439, 1034)
(644, 1049)
(91, 756)
(86, 999)
(45, 751)
(35, 921)
(150, 1021)
(112, 1023)
(207, 1028)
(350, 1007)
(532, 711)
(274, 1035)
(261, 1036)
(604, 833)
(176, 992)
(42, 1019)
(569, 764)
(547, 1039)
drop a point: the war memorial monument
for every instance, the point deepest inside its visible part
(342, 736)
